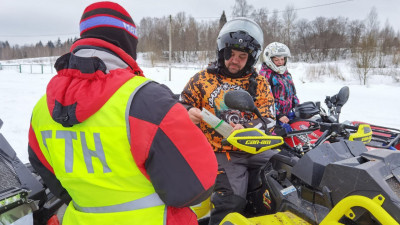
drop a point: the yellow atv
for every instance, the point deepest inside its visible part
(289, 194)
(333, 183)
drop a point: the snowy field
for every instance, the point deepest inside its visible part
(376, 103)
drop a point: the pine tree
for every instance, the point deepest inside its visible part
(222, 20)
(39, 44)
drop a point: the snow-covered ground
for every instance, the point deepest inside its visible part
(376, 103)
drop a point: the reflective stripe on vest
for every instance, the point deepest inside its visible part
(145, 202)
(128, 107)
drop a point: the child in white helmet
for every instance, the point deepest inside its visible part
(274, 69)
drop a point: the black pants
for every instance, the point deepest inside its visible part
(232, 181)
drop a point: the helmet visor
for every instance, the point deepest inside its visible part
(243, 24)
(241, 41)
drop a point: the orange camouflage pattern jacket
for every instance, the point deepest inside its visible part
(207, 90)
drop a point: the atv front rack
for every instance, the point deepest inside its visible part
(374, 206)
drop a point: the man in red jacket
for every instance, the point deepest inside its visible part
(114, 144)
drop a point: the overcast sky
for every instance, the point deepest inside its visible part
(28, 21)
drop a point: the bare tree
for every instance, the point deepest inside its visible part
(372, 22)
(153, 37)
(260, 16)
(191, 39)
(146, 27)
(303, 43)
(241, 8)
(354, 33)
(178, 31)
(318, 38)
(273, 28)
(387, 36)
(289, 16)
(366, 56)
(212, 34)
(336, 37)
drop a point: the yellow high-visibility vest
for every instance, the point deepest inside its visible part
(94, 163)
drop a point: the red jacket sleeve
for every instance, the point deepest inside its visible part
(169, 149)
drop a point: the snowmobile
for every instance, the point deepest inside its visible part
(24, 199)
(310, 118)
(332, 183)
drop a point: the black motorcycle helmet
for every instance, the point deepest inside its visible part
(242, 34)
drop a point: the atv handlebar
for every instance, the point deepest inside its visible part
(332, 132)
(336, 127)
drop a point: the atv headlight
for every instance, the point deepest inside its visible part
(12, 198)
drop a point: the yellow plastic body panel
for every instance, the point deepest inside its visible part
(280, 218)
(253, 140)
(203, 208)
(364, 134)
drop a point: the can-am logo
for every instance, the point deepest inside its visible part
(258, 142)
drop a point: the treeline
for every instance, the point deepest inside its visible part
(321, 39)
(191, 39)
(51, 48)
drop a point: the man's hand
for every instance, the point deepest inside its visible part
(284, 119)
(236, 126)
(195, 115)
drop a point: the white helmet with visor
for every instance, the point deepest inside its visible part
(276, 49)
